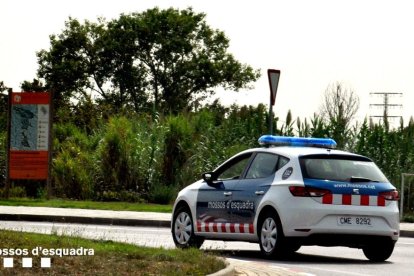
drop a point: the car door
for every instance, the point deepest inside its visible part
(213, 201)
(249, 191)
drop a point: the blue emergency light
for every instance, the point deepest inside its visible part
(271, 140)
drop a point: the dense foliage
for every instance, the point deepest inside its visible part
(139, 157)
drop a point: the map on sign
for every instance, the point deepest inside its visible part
(30, 127)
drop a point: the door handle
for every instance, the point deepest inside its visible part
(259, 193)
(227, 193)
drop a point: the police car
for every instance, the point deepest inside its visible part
(290, 193)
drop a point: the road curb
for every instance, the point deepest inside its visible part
(227, 271)
(406, 234)
(86, 220)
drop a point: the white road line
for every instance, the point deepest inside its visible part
(333, 271)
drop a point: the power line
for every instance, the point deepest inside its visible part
(386, 105)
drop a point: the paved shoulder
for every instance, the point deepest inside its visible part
(85, 216)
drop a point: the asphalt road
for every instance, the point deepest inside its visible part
(311, 260)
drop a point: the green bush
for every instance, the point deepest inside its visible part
(70, 132)
(177, 148)
(73, 172)
(162, 194)
(17, 191)
(74, 162)
(408, 217)
(147, 152)
(116, 172)
(124, 196)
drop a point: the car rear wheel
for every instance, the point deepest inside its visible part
(379, 252)
(270, 235)
(183, 230)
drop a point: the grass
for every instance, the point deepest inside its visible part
(60, 203)
(109, 258)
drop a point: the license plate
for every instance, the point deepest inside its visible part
(355, 221)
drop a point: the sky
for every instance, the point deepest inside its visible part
(366, 44)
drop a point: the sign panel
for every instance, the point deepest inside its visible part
(273, 76)
(29, 135)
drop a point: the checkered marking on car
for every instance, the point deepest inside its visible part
(225, 227)
(347, 199)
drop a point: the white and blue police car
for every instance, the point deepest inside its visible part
(290, 193)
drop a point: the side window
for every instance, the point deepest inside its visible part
(263, 165)
(234, 168)
(282, 161)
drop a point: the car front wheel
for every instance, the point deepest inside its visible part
(183, 230)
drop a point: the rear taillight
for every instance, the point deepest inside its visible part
(308, 191)
(390, 195)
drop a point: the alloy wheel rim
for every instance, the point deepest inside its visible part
(183, 228)
(268, 235)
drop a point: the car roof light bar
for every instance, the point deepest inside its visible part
(271, 140)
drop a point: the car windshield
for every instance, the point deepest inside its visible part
(341, 168)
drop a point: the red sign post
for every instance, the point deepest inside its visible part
(29, 135)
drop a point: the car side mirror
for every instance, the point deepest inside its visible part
(208, 177)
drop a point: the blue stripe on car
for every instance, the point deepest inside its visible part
(340, 187)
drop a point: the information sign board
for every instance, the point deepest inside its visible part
(29, 135)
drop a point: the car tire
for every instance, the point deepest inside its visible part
(183, 229)
(379, 252)
(271, 238)
(290, 248)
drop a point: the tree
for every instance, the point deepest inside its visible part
(2, 87)
(339, 106)
(168, 58)
(71, 65)
(3, 106)
(34, 86)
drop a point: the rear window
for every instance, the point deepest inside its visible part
(341, 168)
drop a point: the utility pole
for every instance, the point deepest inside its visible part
(386, 105)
